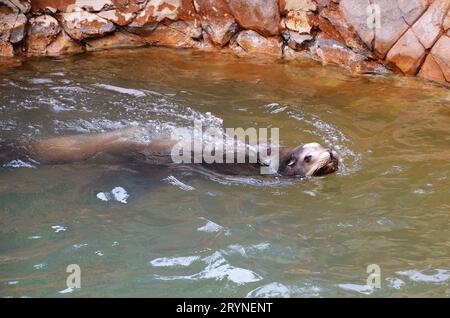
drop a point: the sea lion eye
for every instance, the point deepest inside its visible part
(308, 158)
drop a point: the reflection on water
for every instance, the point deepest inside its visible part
(151, 231)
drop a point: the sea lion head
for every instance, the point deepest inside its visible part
(310, 159)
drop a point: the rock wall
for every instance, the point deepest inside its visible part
(365, 36)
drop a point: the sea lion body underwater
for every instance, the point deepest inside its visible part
(133, 144)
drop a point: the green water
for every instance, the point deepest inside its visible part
(183, 233)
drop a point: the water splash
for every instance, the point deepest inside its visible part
(174, 181)
(218, 268)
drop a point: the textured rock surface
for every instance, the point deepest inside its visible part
(118, 17)
(294, 5)
(407, 53)
(295, 40)
(42, 30)
(129, 6)
(82, 24)
(392, 26)
(64, 44)
(24, 6)
(333, 52)
(431, 70)
(440, 53)
(252, 43)
(217, 20)
(262, 16)
(363, 36)
(333, 25)
(160, 10)
(354, 12)
(12, 22)
(428, 28)
(297, 21)
(118, 39)
(180, 34)
(6, 49)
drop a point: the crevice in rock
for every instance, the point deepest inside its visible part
(420, 16)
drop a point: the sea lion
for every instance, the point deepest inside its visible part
(133, 144)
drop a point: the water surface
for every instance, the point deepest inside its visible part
(169, 232)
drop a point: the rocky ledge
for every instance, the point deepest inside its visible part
(411, 37)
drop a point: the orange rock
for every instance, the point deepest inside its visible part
(179, 34)
(446, 23)
(295, 40)
(441, 54)
(333, 52)
(52, 5)
(217, 20)
(354, 12)
(296, 5)
(251, 43)
(82, 24)
(187, 11)
(161, 10)
(119, 39)
(129, 6)
(63, 44)
(334, 25)
(92, 5)
(407, 54)
(290, 54)
(42, 31)
(262, 16)
(6, 49)
(18, 29)
(23, 5)
(297, 21)
(431, 70)
(118, 17)
(328, 31)
(12, 23)
(71, 5)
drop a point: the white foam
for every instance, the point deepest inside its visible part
(174, 181)
(77, 246)
(14, 282)
(99, 253)
(363, 289)
(174, 261)
(18, 164)
(66, 291)
(210, 227)
(245, 250)
(119, 194)
(270, 290)
(122, 90)
(41, 81)
(395, 283)
(103, 196)
(39, 266)
(441, 275)
(218, 268)
(59, 228)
